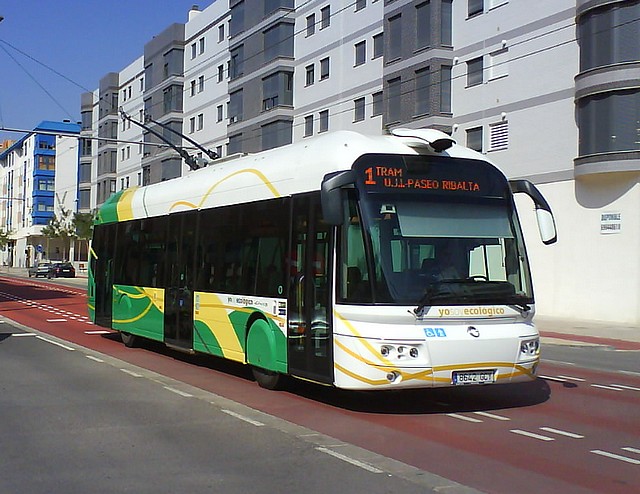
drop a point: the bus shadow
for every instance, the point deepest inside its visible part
(430, 400)
(399, 402)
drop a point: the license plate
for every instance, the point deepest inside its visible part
(474, 377)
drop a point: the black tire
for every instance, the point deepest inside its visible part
(129, 340)
(267, 379)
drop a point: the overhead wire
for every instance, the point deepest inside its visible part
(408, 84)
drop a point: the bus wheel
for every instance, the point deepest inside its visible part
(267, 379)
(129, 340)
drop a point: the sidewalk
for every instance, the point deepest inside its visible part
(577, 332)
(554, 331)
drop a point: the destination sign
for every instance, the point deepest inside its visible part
(429, 174)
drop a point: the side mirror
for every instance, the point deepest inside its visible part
(331, 196)
(546, 226)
(546, 221)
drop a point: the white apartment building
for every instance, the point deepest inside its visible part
(550, 93)
(38, 177)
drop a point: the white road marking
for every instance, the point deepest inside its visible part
(601, 386)
(23, 334)
(622, 386)
(462, 417)
(551, 378)
(95, 359)
(242, 417)
(178, 392)
(615, 456)
(350, 460)
(579, 379)
(632, 450)
(55, 343)
(101, 331)
(561, 432)
(532, 435)
(492, 416)
(131, 373)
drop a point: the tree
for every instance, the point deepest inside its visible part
(4, 238)
(62, 227)
(83, 224)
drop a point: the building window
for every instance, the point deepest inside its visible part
(46, 162)
(192, 125)
(235, 144)
(423, 91)
(278, 41)
(308, 126)
(475, 7)
(395, 102)
(395, 37)
(360, 4)
(358, 110)
(194, 51)
(378, 45)
(310, 75)
(378, 104)
(324, 68)
(498, 64)
(474, 139)
(220, 113)
(193, 88)
(446, 22)
(236, 24)
(324, 121)
(609, 35)
(360, 53)
(220, 73)
(474, 72)
(311, 25)
(220, 33)
(277, 90)
(200, 83)
(200, 46)
(200, 121)
(608, 122)
(325, 14)
(235, 106)
(499, 136)
(219, 151)
(236, 67)
(445, 89)
(423, 25)
(277, 134)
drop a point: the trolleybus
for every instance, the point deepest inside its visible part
(362, 262)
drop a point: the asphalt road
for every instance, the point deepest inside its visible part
(72, 421)
(574, 430)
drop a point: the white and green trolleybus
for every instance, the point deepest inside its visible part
(362, 262)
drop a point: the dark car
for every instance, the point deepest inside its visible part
(61, 270)
(40, 269)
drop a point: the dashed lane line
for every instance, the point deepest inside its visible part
(615, 456)
(348, 459)
(532, 435)
(562, 433)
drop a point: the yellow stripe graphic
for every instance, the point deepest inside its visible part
(253, 171)
(125, 206)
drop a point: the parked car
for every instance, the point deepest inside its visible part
(61, 270)
(40, 269)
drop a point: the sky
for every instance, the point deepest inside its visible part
(52, 51)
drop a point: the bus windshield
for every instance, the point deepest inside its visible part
(424, 248)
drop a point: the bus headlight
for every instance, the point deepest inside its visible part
(530, 348)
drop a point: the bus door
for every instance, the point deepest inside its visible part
(101, 260)
(178, 297)
(309, 310)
